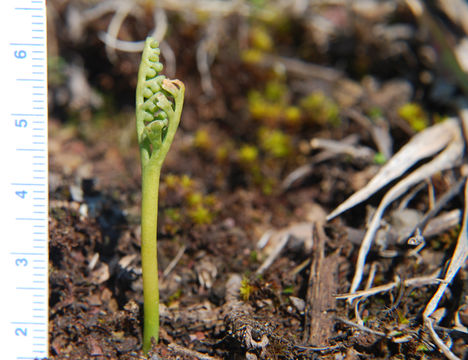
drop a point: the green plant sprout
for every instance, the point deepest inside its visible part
(159, 104)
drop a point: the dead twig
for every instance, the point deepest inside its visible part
(458, 259)
(174, 261)
(338, 147)
(361, 327)
(319, 299)
(439, 205)
(413, 282)
(206, 53)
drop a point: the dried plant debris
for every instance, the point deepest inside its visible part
(458, 259)
(276, 241)
(424, 144)
(443, 142)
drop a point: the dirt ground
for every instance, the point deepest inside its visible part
(249, 266)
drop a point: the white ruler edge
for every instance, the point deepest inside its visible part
(23, 180)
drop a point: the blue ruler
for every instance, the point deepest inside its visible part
(23, 180)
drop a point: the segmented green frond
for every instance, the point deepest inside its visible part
(159, 104)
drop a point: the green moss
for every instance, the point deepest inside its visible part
(173, 214)
(375, 112)
(202, 140)
(257, 105)
(56, 70)
(171, 181)
(422, 348)
(273, 106)
(193, 206)
(248, 154)
(275, 142)
(246, 289)
(253, 256)
(186, 182)
(402, 319)
(252, 56)
(292, 115)
(379, 158)
(275, 91)
(267, 186)
(321, 109)
(194, 199)
(260, 38)
(175, 296)
(210, 200)
(222, 153)
(58, 214)
(261, 108)
(415, 116)
(201, 215)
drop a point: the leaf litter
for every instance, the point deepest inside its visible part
(445, 142)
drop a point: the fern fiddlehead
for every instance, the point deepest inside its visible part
(159, 103)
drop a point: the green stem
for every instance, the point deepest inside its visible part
(149, 254)
(159, 104)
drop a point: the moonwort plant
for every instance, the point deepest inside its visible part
(159, 104)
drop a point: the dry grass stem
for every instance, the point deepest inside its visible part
(413, 282)
(458, 259)
(338, 147)
(424, 144)
(445, 136)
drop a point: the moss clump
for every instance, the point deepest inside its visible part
(252, 56)
(194, 199)
(276, 91)
(202, 140)
(414, 115)
(260, 38)
(271, 105)
(201, 215)
(275, 142)
(261, 108)
(246, 289)
(173, 214)
(186, 203)
(274, 107)
(186, 182)
(171, 181)
(292, 116)
(175, 296)
(321, 109)
(201, 209)
(380, 158)
(375, 112)
(248, 154)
